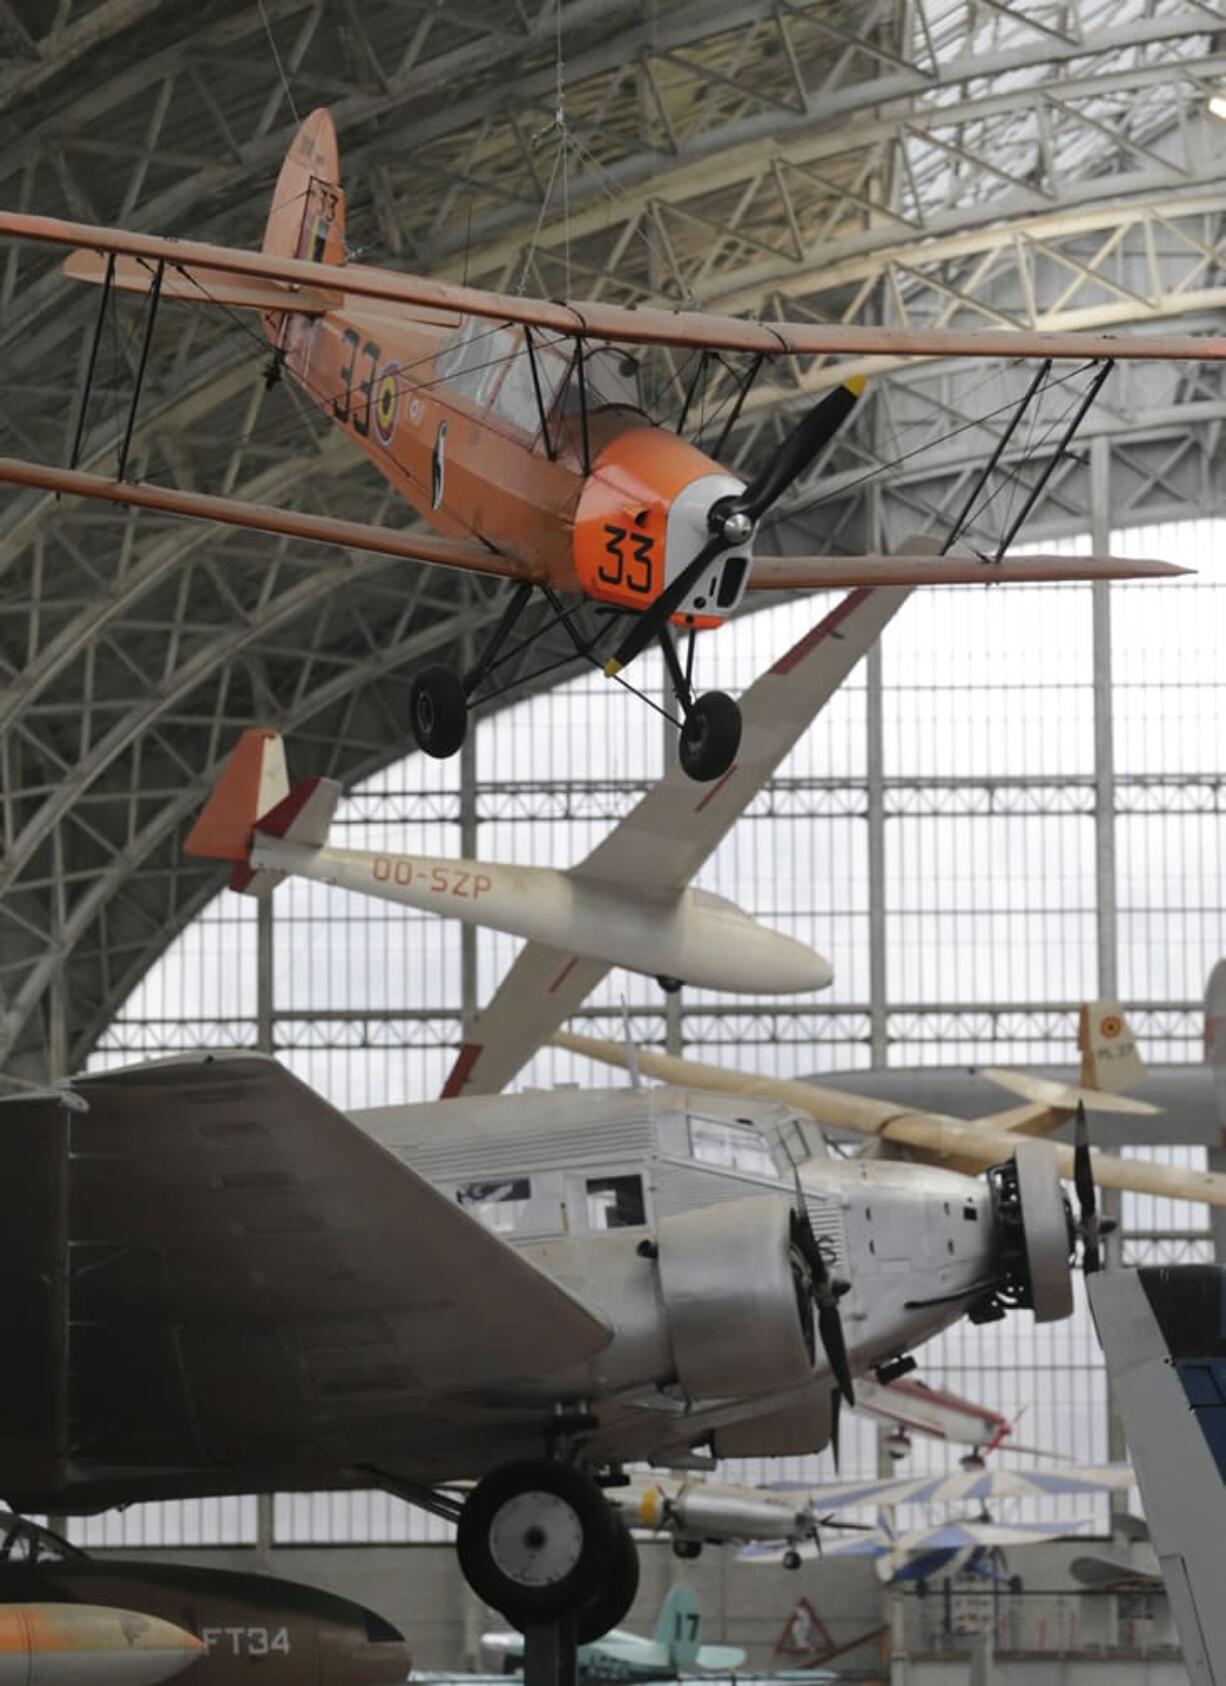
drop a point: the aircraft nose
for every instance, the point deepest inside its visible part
(94, 1646)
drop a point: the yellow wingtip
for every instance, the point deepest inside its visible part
(612, 668)
(855, 384)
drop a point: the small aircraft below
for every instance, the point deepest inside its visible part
(915, 1556)
(676, 1648)
(783, 1521)
(516, 429)
(238, 1624)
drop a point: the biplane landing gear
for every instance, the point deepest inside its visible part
(710, 737)
(438, 711)
(537, 1540)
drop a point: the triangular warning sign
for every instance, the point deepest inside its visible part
(804, 1634)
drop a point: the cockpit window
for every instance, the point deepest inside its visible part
(733, 1147)
(615, 1203)
(500, 1204)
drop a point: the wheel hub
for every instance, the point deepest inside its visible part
(536, 1539)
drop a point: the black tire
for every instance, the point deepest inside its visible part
(438, 711)
(710, 737)
(610, 1605)
(536, 1539)
(687, 1549)
(792, 1560)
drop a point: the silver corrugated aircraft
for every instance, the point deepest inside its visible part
(217, 1282)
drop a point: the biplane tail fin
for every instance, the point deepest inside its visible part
(307, 216)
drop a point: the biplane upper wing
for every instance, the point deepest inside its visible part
(618, 323)
(663, 841)
(414, 546)
(213, 1280)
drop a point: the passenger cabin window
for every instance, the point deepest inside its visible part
(500, 1205)
(733, 1147)
(615, 1203)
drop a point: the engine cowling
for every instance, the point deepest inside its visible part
(735, 1305)
(1034, 1228)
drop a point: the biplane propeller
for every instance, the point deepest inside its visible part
(514, 428)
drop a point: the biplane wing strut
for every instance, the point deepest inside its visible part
(619, 324)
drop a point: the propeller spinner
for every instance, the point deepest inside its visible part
(732, 520)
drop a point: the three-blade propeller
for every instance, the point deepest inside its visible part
(731, 520)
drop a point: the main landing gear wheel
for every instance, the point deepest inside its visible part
(710, 737)
(611, 1602)
(438, 711)
(537, 1540)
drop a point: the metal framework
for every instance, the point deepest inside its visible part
(896, 160)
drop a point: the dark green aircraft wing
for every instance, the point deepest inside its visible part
(211, 1279)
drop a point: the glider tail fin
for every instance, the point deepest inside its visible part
(253, 795)
(1110, 1063)
(679, 1627)
(307, 216)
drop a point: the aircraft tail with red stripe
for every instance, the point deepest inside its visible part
(253, 796)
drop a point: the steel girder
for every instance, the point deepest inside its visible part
(932, 161)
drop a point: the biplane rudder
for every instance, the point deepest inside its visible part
(307, 215)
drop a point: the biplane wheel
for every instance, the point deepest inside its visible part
(710, 737)
(438, 711)
(536, 1539)
(611, 1602)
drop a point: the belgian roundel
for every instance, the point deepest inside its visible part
(387, 402)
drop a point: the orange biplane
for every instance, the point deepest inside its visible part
(514, 427)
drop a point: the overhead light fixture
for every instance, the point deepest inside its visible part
(1217, 105)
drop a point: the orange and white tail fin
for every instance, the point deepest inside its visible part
(253, 797)
(1110, 1063)
(307, 216)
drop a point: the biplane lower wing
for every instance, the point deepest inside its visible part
(619, 324)
(265, 518)
(813, 573)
